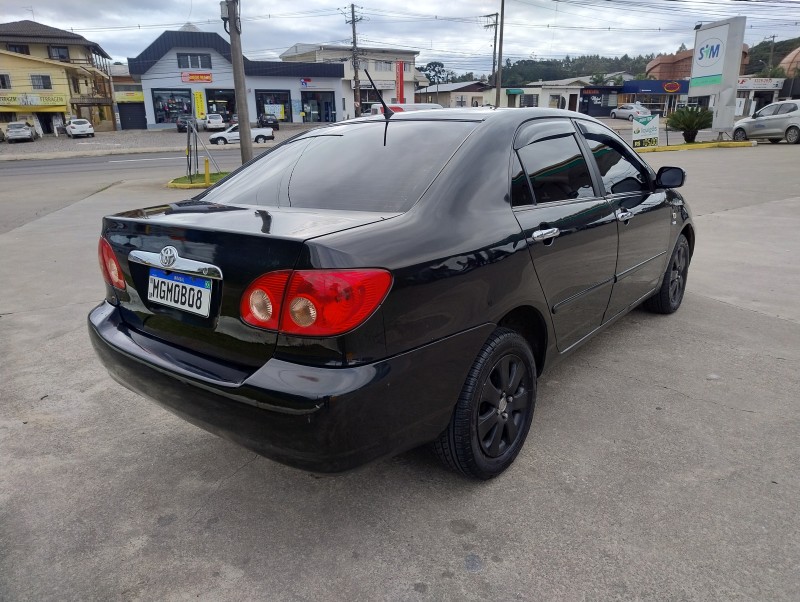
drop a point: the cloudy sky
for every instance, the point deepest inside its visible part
(451, 32)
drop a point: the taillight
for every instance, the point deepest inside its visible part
(315, 302)
(109, 266)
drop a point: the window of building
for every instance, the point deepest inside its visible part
(168, 105)
(18, 48)
(529, 100)
(59, 53)
(76, 86)
(41, 82)
(461, 100)
(384, 66)
(5, 81)
(556, 169)
(194, 61)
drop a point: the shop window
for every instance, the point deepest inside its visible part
(194, 61)
(461, 100)
(5, 82)
(529, 100)
(18, 48)
(41, 82)
(59, 53)
(7, 117)
(168, 105)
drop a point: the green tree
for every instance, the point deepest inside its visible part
(598, 79)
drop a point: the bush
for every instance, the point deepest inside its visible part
(690, 120)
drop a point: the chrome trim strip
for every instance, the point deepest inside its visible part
(584, 292)
(631, 270)
(185, 266)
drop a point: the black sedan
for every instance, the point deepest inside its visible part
(268, 120)
(325, 317)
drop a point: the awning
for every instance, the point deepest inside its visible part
(511, 91)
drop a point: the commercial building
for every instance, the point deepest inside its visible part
(49, 75)
(677, 66)
(129, 97)
(190, 71)
(392, 70)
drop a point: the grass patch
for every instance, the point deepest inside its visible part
(200, 178)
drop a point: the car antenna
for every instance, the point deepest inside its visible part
(387, 112)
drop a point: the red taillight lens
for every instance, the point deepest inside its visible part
(261, 301)
(314, 302)
(109, 266)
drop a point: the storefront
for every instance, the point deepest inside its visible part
(221, 101)
(274, 102)
(318, 106)
(599, 101)
(171, 103)
(662, 97)
(753, 93)
(46, 111)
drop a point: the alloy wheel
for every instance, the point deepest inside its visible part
(677, 276)
(793, 135)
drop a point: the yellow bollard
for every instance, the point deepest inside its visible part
(208, 174)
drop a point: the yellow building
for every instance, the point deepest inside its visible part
(48, 75)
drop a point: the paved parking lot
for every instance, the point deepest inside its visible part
(662, 463)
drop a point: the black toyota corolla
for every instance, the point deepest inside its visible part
(379, 284)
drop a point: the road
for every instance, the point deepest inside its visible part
(662, 463)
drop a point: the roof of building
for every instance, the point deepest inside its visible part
(451, 87)
(581, 80)
(791, 63)
(168, 40)
(120, 70)
(31, 32)
(302, 48)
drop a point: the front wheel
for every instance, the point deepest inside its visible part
(793, 135)
(494, 411)
(669, 296)
(613, 115)
(219, 141)
(739, 135)
(260, 139)
(630, 117)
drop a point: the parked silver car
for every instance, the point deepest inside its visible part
(20, 130)
(629, 111)
(774, 122)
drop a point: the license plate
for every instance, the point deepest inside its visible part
(191, 294)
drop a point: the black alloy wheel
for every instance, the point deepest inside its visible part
(669, 296)
(494, 412)
(739, 135)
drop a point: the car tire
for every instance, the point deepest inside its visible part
(486, 431)
(739, 135)
(669, 296)
(613, 115)
(91, 135)
(775, 140)
(793, 135)
(630, 117)
(261, 139)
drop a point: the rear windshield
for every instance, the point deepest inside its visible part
(80, 122)
(16, 126)
(348, 167)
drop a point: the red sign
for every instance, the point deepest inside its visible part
(672, 87)
(195, 77)
(398, 81)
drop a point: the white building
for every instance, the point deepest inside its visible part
(190, 70)
(387, 66)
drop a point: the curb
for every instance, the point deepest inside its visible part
(698, 145)
(173, 184)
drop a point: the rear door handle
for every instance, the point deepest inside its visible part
(547, 234)
(623, 215)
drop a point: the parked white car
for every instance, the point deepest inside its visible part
(214, 121)
(20, 130)
(79, 127)
(629, 111)
(258, 135)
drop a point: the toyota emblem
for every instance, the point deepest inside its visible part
(168, 256)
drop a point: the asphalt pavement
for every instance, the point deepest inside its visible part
(662, 463)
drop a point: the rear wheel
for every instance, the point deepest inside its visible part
(613, 115)
(494, 411)
(793, 135)
(739, 135)
(260, 139)
(630, 117)
(673, 285)
(220, 141)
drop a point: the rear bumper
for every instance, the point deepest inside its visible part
(314, 418)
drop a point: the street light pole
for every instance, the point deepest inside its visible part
(230, 15)
(498, 80)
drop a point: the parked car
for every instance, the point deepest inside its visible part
(214, 121)
(20, 130)
(2, 135)
(269, 120)
(184, 121)
(324, 319)
(230, 135)
(774, 122)
(629, 111)
(79, 127)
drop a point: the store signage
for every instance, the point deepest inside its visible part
(671, 87)
(760, 83)
(645, 131)
(589, 91)
(129, 96)
(398, 80)
(32, 99)
(199, 105)
(193, 78)
(380, 85)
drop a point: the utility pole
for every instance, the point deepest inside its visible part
(771, 51)
(230, 15)
(494, 48)
(356, 83)
(498, 80)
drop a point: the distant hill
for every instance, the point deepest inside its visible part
(760, 52)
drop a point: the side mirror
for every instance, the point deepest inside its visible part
(670, 177)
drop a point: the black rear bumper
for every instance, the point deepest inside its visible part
(315, 418)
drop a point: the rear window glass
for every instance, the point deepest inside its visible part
(16, 126)
(349, 167)
(80, 122)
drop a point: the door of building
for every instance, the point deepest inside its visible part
(132, 116)
(318, 106)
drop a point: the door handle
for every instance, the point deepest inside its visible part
(547, 234)
(624, 215)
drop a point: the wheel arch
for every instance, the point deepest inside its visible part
(688, 232)
(527, 321)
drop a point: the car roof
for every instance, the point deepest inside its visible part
(477, 114)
